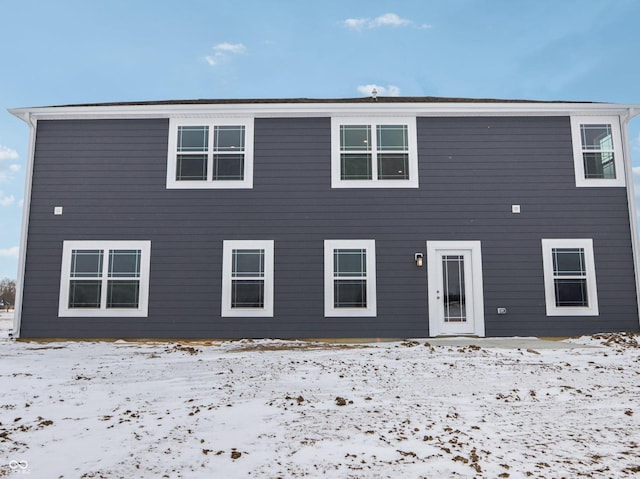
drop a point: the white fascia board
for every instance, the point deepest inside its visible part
(271, 110)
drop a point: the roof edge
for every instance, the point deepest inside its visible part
(321, 106)
(377, 99)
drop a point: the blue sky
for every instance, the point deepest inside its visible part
(66, 51)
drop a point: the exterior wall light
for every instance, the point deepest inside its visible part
(419, 257)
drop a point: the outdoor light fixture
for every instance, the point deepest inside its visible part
(418, 257)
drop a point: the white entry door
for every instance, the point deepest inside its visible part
(454, 273)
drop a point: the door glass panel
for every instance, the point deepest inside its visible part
(453, 282)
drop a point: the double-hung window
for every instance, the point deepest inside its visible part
(569, 277)
(374, 154)
(247, 278)
(597, 151)
(104, 278)
(350, 278)
(207, 153)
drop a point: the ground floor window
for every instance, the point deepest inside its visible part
(350, 278)
(104, 278)
(247, 278)
(569, 277)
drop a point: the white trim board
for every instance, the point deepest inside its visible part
(273, 110)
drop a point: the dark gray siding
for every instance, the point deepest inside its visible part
(110, 177)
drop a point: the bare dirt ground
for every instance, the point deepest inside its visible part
(269, 409)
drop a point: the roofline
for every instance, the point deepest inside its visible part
(383, 106)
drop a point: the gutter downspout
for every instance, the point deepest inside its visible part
(633, 215)
(26, 209)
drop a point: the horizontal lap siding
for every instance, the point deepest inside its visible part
(110, 177)
(483, 172)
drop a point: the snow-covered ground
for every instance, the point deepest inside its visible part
(276, 409)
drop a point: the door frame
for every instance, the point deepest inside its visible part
(476, 283)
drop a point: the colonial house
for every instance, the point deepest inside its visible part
(328, 218)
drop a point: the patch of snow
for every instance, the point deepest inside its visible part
(295, 409)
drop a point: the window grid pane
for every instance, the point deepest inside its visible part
(392, 138)
(86, 263)
(393, 166)
(568, 262)
(355, 137)
(599, 165)
(228, 167)
(247, 263)
(123, 294)
(571, 292)
(597, 137)
(350, 293)
(247, 293)
(228, 138)
(191, 167)
(124, 263)
(350, 263)
(85, 294)
(355, 166)
(193, 138)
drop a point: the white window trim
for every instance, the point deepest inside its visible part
(65, 278)
(246, 183)
(227, 250)
(336, 182)
(581, 181)
(592, 291)
(329, 309)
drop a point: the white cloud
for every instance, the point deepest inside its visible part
(230, 47)
(211, 60)
(7, 200)
(7, 153)
(10, 252)
(223, 50)
(6, 171)
(390, 19)
(386, 20)
(356, 23)
(390, 90)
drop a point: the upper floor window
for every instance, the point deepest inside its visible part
(378, 153)
(597, 151)
(104, 278)
(210, 153)
(569, 277)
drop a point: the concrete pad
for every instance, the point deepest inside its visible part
(506, 343)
